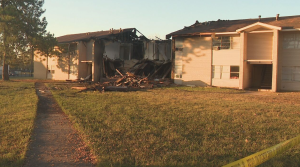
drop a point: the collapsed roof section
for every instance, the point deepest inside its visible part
(288, 22)
(125, 35)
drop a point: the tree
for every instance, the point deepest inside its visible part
(21, 26)
(44, 45)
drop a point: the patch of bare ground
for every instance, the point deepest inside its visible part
(54, 141)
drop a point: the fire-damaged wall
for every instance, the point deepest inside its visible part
(99, 48)
(157, 50)
(99, 54)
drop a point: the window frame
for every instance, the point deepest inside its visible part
(233, 73)
(222, 43)
(218, 72)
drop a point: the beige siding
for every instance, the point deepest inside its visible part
(74, 65)
(259, 46)
(178, 61)
(230, 83)
(82, 52)
(288, 58)
(40, 67)
(196, 61)
(59, 66)
(227, 57)
(290, 86)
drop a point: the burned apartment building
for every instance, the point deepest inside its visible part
(95, 55)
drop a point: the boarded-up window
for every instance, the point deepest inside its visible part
(225, 72)
(291, 41)
(291, 73)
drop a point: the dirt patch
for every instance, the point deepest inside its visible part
(55, 142)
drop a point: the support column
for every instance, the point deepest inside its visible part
(275, 60)
(99, 47)
(243, 78)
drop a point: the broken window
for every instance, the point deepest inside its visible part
(291, 41)
(222, 42)
(225, 72)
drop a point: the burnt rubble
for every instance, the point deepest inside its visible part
(142, 74)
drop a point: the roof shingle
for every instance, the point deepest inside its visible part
(287, 22)
(90, 35)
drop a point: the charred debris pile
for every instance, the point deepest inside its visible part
(135, 74)
(132, 75)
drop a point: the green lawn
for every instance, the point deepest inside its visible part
(18, 104)
(182, 126)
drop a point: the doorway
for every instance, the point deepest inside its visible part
(261, 76)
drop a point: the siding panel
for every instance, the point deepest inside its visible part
(288, 58)
(227, 58)
(196, 61)
(260, 46)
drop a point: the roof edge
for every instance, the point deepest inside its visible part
(249, 27)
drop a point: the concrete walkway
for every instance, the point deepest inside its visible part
(54, 142)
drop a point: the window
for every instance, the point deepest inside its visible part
(217, 72)
(291, 73)
(51, 70)
(222, 42)
(178, 71)
(225, 72)
(291, 41)
(234, 72)
(179, 49)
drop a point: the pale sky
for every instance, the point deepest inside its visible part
(154, 17)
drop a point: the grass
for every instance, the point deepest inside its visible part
(18, 103)
(182, 126)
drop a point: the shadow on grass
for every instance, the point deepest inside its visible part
(8, 162)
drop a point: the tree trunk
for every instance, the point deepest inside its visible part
(31, 61)
(5, 76)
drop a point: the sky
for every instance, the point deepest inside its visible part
(154, 18)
